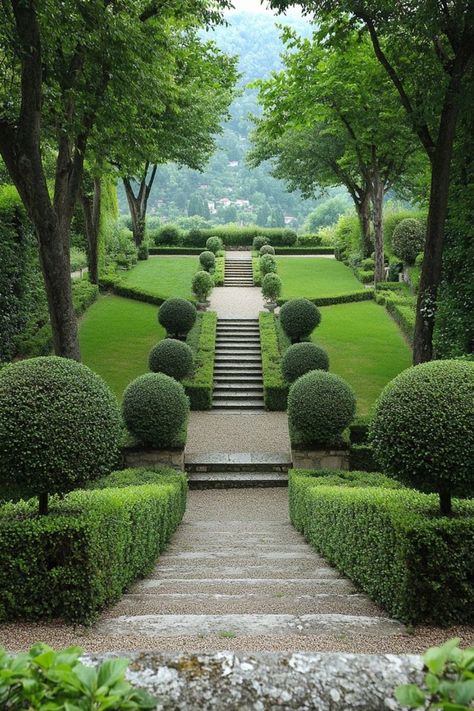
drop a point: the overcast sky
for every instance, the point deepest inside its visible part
(256, 6)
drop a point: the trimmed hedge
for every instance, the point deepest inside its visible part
(275, 388)
(361, 458)
(219, 272)
(93, 545)
(242, 236)
(393, 545)
(301, 358)
(202, 284)
(366, 295)
(304, 250)
(401, 308)
(177, 316)
(359, 429)
(175, 250)
(115, 285)
(299, 318)
(202, 339)
(257, 275)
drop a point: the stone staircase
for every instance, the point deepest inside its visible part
(227, 471)
(238, 272)
(238, 383)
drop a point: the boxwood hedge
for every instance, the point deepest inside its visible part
(391, 542)
(202, 339)
(82, 557)
(275, 388)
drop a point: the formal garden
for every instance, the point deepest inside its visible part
(222, 441)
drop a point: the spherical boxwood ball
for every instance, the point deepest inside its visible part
(259, 241)
(177, 316)
(60, 425)
(271, 286)
(172, 357)
(408, 239)
(267, 249)
(268, 264)
(300, 358)
(202, 285)
(320, 406)
(299, 317)
(214, 244)
(155, 408)
(422, 431)
(207, 260)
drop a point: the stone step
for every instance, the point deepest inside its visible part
(234, 367)
(229, 586)
(239, 461)
(236, 480)
(242, 345)
(244, 386)
(238, 321)
(248, 625)
(237, 380)
(237, 358)
(242, 568)
(238, 405)
(240, 396)
(238, 334)
(258, 602)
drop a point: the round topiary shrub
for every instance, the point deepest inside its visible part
(300, 358)
(155, 408)
(207, 261)
(267, 249)
(258, 242)
(60, 426)
(268, 264)
(214, 244)
(299, 318)
(202, 285)
(271, 287)
(288, 238)
(320, 406)
(171, 357)
(177, 316)
(422, 431)
(167, 235)
(408, 239)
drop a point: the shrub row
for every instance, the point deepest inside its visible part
(365, 295)
(393, 544)
(361, 458)
(304, 250)
(219, 273)
(202, 339)
(240, 236)
(114, 284)
(81, 557)
(274, 386)
(402, 313)
(175, 250)
(257, 275)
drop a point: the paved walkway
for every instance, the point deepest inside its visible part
(239, 432)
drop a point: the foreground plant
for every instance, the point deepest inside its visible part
(448, 683)
(45, 679)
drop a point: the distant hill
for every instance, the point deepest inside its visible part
(227, 190)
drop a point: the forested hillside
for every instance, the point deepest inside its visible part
(181, 192)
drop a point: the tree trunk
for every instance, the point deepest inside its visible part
(433, 252)
(363, 212)
(91, 210)
(445, 503)
(138, 203)
(43, 504)
(377, 201)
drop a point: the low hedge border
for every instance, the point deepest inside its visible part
(275, 387)
(257, 275)
(401, 307)
(365, 295)
(393, 544)
(174, 250)
(304, 250)
(86, 552)
(202, 339)
(219, 273)
(361, 458)
(115, 285)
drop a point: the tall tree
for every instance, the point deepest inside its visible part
(53, 85)
(427, 51)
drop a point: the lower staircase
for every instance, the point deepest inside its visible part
(228, 471)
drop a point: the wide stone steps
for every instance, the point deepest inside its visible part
(273, 587)
(238, 272)
(234, 480)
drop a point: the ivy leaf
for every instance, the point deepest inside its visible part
(410, 695)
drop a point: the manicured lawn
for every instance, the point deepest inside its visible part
(315, 277)
(365, 347)
(116, 336)
(163, 276)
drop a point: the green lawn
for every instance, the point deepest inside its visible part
(315, 277)
(116, 336)
(365, 347)
(163, 276)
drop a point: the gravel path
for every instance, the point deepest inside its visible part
(253, 524)
(237, 432)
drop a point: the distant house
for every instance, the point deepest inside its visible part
(212, 207)
(224, 202)
(233, 164)
(289, 219)
(242, 203)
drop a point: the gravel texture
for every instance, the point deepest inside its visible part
(237, 432)
(239, 302)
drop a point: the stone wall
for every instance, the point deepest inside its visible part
(267, 682)
(320, 458)
(149, 457)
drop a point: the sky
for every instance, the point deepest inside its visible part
(256, 6)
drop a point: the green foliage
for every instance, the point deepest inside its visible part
(271, 287)
(267, 264)
(214, 245)
(256, 273)
(448, 682)
(177, 316)
(168, 235)
(422, 428)
(359, 429)
(299, 318)
(300, 358)
(401, 307)
(219, 272)
(327, 213)
(78, 259)
(408, 239)
(393, 545)
(361, 458)
(171, 357)
(155, 408)
(304, 250)
(43, 678)
(60, 425)
(202, 285)
(236, 236)
(266, 249)
(320, 406)
(274, 387)
(87, 552)
(392, 219)
(142, 252)
(207, 260)
(366, 295)
(202, 339)
(258, 242)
